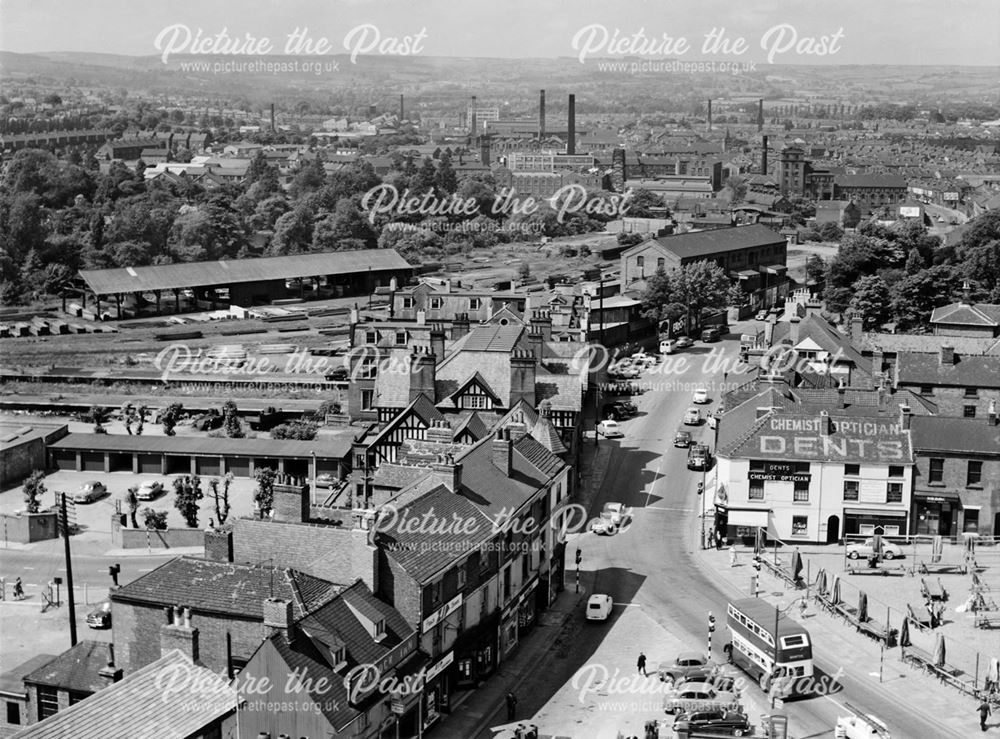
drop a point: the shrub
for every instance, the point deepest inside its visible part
(156, 520)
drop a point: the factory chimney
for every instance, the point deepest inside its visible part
(472, 118)
(273, 129)
(763, 156)
(710, 114)
(401, 108)
(541, 114)
(760, 114)
(571, 126)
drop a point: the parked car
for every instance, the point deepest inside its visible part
(623, 370)
(698, 457)
(867, 549)
(643, 360)
(337, 374)
(683, 342)
(668, 346)
(860, 726)
(623, 388)
(620, 410)
(728, 723)
(687, 666)
(692, 417)
(599, 607)
(326, 480)
(90, 491)
(761, 315)
(700, 396)
(682, 439)
(149, 490)
(207, 422)
(609, 430)
(613, 517)
(100, 617)
(710, 334)
(694, 696)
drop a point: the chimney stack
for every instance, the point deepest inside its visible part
(947, 355)
(571, 126)
(401, 109)
(905, 414)
(109, 672)
(857, 329)
(760, 114)
(502, 451)
(763, 157)
(422, 368)
(793, 328)
(278, 615)
(709, 114)
(824, 423)
(448, 472)
(437, 341)
(459, 326)
(541, 114)
(177, 633)
(472, 118)
(523, 368)
(273, 129)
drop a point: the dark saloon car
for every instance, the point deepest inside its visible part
(725, 723)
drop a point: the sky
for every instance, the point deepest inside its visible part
(953, 32)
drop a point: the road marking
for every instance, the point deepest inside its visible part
(147, 569)
(626, 605)
(27, 568)
(667, 508)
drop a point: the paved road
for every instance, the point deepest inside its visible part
(653, 567)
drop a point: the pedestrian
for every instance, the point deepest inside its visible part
(641, 664)
(511, 706)
(732, 556)
(709, 538)
(984, 711)
(718, 540)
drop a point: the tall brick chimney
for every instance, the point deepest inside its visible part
(177, 633)
(541, 114)
(472, 119)
(437, 342)
(503, 451)
(760, 114)
(947, 355)
(523, 366)
(291, 499)
(763, 156)
(710, 114)
(422, 366)
(571, 126)
(401, 109)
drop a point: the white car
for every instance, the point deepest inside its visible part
(609, 429)
(889, 550)
(700, 396)
(149, 490)
(599, 607)
(692, 417)
(612, 518)
(617, 512)
(641, 358)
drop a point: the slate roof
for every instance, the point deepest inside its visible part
(929, 344)
(926, 369)
(492, 338)
(538, 456)
(232, 271)
(326, 446)
(946, 434)
(695, 244)
(12, 681)
(397, 476)
(869, 180)
(75, 669)
(224, 588)
(967, 315)
(827, 337)
(137, 707)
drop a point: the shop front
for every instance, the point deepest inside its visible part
(518, 617)
(436, 695)
(936, 513)
(741, 524)
(866, 521)
(476, 653)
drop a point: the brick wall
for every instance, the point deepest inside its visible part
(137, 636)
(6, 728)
(398, 589)
(951, 401)
(20, 460)
(987, 494)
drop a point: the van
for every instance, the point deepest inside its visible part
(710, 334)
(668, 346)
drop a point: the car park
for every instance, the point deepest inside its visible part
(700, 396)
(682, 439)
(692, 417)
(609, 429)
(867, 549)
(687, 666)
(100, 617)
(726, 723)
(90, 491)
(599, 607)
(693, 696)
(149, 490)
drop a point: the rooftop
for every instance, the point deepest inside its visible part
(946, 434)
(704, 243)
(76, 669)
(326, 447)
(928, 369)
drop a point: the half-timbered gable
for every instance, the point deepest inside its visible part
(411, 423)
(473, 394)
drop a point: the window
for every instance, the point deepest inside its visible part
(371, 337)
(436, 303)
(971, 520)
(400, 338)
(756, 490)
(474, 401)
(473, 303)
(407, 302)
(640, 262)
(926, 389)
(896, 471)
(852, 470)
(971, 392)
(801, 492)
(48, 702)
(757, 465)
(461, 575)
(936, 471)
(76, 696)
(894, 492)
(367, 399)
(13, 712)
(800, 525)
(436, 593)
(974, 474)
(661, 263)
(969, 411)
(851, 489)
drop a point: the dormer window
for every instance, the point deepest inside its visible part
(400, 338)
(473, 303)
(339, 658)
(371, 337)
(380, 630)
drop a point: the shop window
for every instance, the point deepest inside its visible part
(968, 411)
(800, 525)
(971, 521)
(801, 492)
(935, 473)
(894, 492)
(974, 474)
(896, 471)
(851, 489)
(852, 470)
(756, 491)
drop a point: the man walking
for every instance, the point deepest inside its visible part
(511, 706)
(984, 711)
(641, 664)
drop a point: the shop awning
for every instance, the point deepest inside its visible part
(936, 496)
(754, 518)
(874, 513)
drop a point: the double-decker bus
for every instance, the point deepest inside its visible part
(754, 627)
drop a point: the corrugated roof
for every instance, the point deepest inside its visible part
(232, 271)
(326, 446)
(717, 240)
(137, 707)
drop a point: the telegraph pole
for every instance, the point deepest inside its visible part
(69, 573)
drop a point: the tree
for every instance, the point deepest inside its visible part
(642, 202)
(99, 415)
(524, 271)
(187, 493)
(221, 499)
(736, 296)
(914, 262)
(140, 416)
(33, 490)
(128, 417)
(445, 178)
(231, 424)
(916, 296)
(156, 520)
(293, 232)
(695, 286)
(132, 501)
(263, 496)
(815, 268)
(871, 300)
(170, 416)
(300, 430)
(830, 231)
(658, 300)
(737, 188)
